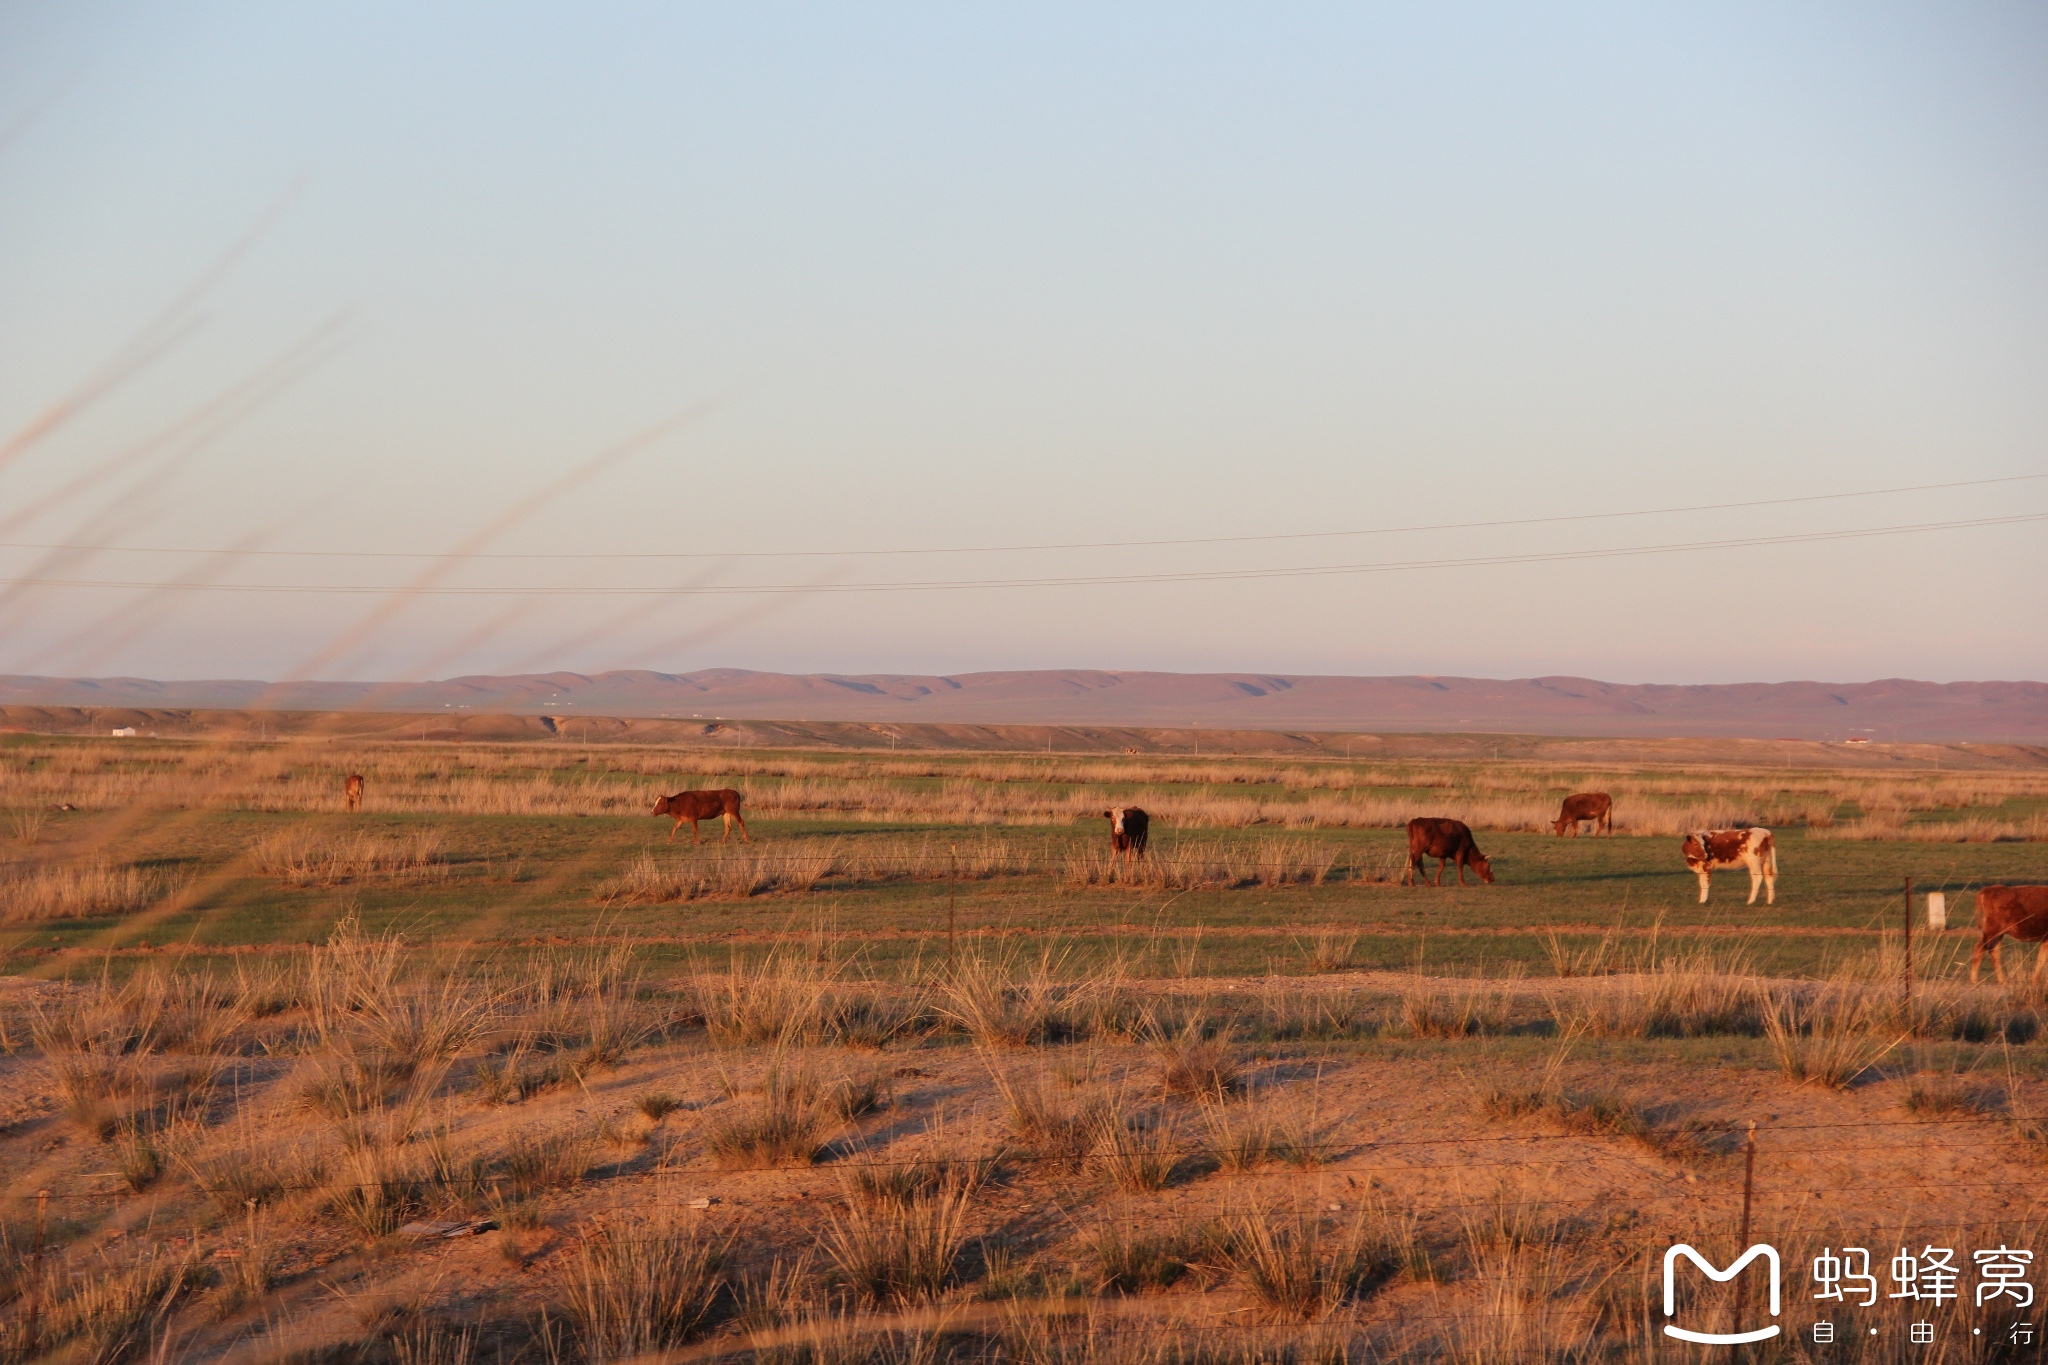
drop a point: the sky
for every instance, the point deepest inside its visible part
(684, 326)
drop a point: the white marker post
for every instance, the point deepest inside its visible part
(1937, 911)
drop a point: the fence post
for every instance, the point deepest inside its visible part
(1748, 1189)
(34, 1332)
(952, 894)
(1906, 975)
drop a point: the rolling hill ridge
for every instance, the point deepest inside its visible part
(1893, 709)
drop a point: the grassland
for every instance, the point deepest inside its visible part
(916, 1075)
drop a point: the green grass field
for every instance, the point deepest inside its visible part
(506, 881)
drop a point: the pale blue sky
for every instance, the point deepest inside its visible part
(970, 276)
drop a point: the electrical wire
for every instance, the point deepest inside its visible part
(1746, 504)
(1076, 580)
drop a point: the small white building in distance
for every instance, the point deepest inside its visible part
(124, 732)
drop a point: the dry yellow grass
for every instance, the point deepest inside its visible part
(1144, 1110)
(77, 891)
(529, 780)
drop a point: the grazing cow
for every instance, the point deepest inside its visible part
(1595, 806)
(1447, 841)
(2016, 912)
(352, 791)
(1129, 830)
(1752, 848)
(695, 806)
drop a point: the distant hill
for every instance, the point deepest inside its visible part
(1892, 709)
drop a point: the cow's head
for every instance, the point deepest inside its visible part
(1561, 823)
(661, 805)
(1482, 867)
(1115, 818)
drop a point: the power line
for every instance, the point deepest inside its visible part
(1078, 580)
(1744, 505)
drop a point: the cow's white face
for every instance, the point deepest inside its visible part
(1116, 819)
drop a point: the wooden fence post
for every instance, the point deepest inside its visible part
(1906, 976)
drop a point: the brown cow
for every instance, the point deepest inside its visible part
(1446, 841)
(1129, 831)
(1595, 806)
(2016, 912)
(352, 791)
(695, 806)
(1752, 848)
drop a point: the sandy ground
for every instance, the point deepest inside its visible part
(1404, 1122)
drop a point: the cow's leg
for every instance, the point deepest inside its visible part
(724, 827)
(1756, 881)
(1439, 871)
(1771, 884)
(696, 835)
(1704, 883)
(672, 829)
(2040, 959)
(1461, 871)
(1976, 961)
(745, 837)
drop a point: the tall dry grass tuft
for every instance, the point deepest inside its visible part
(1004, 1002)
(1195, 1067)
(1437, 1007)
(1215, 865)
(1699, 993)
(28, 825)
(1830, 1036)
(376, 1031)
(1059, 1127)
(1137, 1151)
(1298, 1266)
(301, 856)
(786, 1124)
(632, 1291)
(781, 1000)
(726, 875)
(893, 1252)
(1125, 1261)
(84, 890)
(109, 1316)
(1245, 1137)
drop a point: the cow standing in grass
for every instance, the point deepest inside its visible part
(1129, 831)
(695, 806)
(2016, 912)
(1752, 848)
(1447, 841)
(1595, 806)
(352, 791)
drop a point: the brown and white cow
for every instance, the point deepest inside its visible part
(1129, 830)
(1752, 848)
(1595, 806)
(352, 791)
(2016, 912)
(1447, 841)
(695, 806)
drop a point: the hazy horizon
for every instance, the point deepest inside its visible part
(286, 288)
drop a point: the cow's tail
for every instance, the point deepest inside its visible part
(1771, 854)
